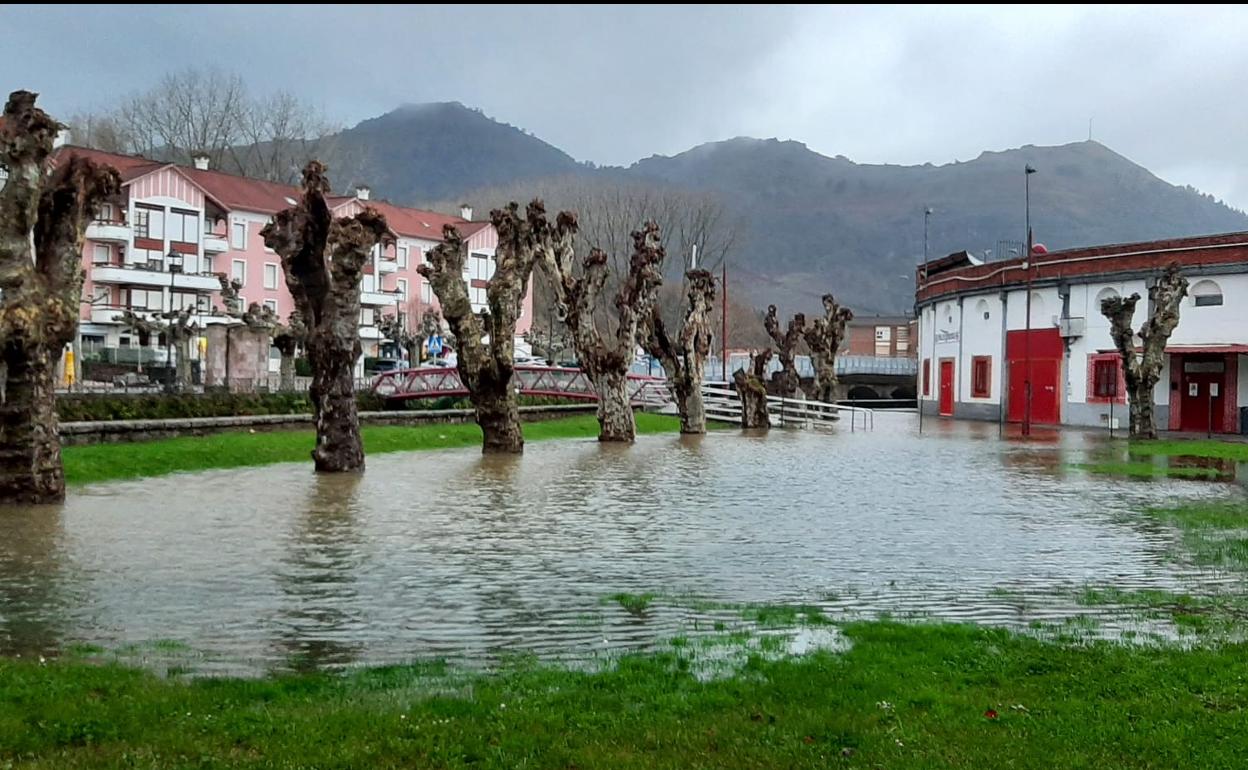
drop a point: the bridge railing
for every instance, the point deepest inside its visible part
(550, 381)
(722, 403)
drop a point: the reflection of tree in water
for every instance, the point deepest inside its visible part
(33, 586)
(319, 577)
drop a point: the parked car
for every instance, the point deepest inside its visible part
(436, 363)
(388, 365)
(523, 360)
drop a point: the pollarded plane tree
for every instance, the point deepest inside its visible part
(1142, 369)
(394, 328)
(323, 260)
(824, 337)
(180, 327)
(485, 341)
(751, 389)
(606, 344)
(43, 215)
(684, 355)
(786, 380)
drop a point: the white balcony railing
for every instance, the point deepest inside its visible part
(140, 276)
(116, 232)
(379, 298)
(215, 244)
(387, 266)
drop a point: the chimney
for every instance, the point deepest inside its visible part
(362, 192)
(200, 160)
(63, 137)
(465, 211)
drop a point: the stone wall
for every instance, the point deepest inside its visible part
(236, 353)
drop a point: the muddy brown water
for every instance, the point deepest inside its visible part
(449, 554)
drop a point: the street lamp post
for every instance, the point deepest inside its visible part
(173, 262)
(927, 215)
(1027, 265)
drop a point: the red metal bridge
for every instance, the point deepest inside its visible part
(553, 381)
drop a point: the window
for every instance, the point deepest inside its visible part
(367, 316)
(981, 377)
(101, 254)
(183, 226)
(477, 295)
(401, 253)
(368, 283)
(271, 304)
(479, 267)
(144, 299)
(270, 275)
(142, 221)
(238, 234)
(903, 339)
(190, 301)
(1206, 294)
(205, 263)
(1106, 379)
(426, 292)
(883, 340)
(238, 271)
(106, 212)
(402, 289)
(100, 295)
(927, 377)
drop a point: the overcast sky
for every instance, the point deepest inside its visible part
(1164, 87)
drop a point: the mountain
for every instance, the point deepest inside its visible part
(439, 150)
(810, 223)
(857, 229)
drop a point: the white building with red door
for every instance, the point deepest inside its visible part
(204, 223)
(987, 330)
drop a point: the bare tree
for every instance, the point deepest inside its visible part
(752, 391)
(180, 328)
(485, 368)
(786, 380)
(323, 260)
(210, 112)
(1143, 370)
(684, 357)
(430, 324)
(394, 327)
(824, 338)
(288, 338)
(606, 353)
(43, 216)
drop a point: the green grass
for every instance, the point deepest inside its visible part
(902, 696)
(109, 462)
(1213, 534)
(1213, 449)
(1150, 470)
(634, 604)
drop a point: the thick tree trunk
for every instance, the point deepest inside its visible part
(286, 372)
(338, 444)
(499, 418)
(1141, 408)
(753, 395)
(615, 412)
(183, 372)
(30, 450)
(692, 411)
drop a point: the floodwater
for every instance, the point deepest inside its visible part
(453, 555)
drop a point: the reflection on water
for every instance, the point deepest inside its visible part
(452, 554)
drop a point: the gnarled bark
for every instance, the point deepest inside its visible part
(605, 355)
(42, 219)
(786, 380)
(323, 260)
(1142, 371)
(288, 338)
(486, 368)
(824, 338)
(684, 358)
(752, 391)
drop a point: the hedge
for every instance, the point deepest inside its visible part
(95, 407)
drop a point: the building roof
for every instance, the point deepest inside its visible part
(240, 193)
(880, 320)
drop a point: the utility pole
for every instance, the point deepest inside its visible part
(1027, 264)
(927, 215)
(723, 362)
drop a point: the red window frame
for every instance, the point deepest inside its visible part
(981, 377)
(927, 376)
(1104, 373)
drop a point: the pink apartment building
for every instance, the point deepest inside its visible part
(211, 221)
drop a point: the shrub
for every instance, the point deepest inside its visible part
(93, 407)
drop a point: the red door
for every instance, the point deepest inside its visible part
(1037, 354)
(1200, 400)
(946, 387)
